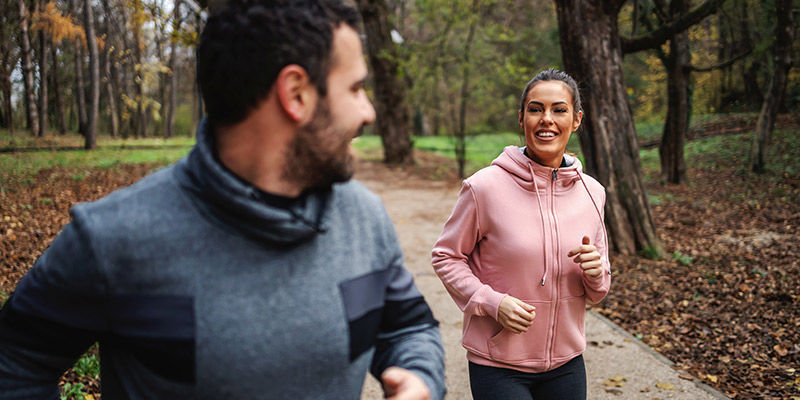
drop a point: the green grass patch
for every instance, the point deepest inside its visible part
(731, 152)
(73, 391)
(88, 366)
(60, 151)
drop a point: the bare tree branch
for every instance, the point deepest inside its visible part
(663, 33)
(722, 64)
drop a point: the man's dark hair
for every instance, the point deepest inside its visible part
(245, 45)
(553, 74)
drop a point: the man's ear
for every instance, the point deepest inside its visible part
(296, 94)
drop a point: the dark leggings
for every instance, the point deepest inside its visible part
(567, 382)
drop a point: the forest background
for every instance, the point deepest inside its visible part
(446, 76)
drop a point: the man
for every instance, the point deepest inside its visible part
(252, 268)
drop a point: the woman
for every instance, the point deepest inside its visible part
(522, 252)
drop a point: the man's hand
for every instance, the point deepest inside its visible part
(588, 258)
(402, 384)
(515, 314)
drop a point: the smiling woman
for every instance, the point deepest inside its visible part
(524, 250)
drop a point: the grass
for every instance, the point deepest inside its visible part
(731, 152)
(110, 152)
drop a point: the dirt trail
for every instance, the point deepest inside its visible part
(419, 207)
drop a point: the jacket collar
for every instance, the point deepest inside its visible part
(237, 204)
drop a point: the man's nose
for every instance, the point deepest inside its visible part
(369, 112)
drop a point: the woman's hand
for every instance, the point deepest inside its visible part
(588, 258)
(515, 314)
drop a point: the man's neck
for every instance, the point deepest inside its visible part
(255, 150)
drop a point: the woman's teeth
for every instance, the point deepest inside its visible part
(545, 134)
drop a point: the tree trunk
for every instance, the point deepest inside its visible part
(390, 93)
(784, 37)
(592, 54)
(112, 96)
(466, 69)
(94, 77)
(42, 82)
(62, 120)
(7, 63)
(31, 115)
(173, 77)
(677, 63)
(138, 45)
(79, 85)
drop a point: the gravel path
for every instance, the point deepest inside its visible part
(419, 208)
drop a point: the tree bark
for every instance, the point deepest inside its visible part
(79, 81)
(784, 38)
(42, 81)
(90, 141)
(677, 63)
(31, 115)
(7, 62)
(62, 120)
(138, 45)
(466, 70)
(592, 54)
(392, 121)
(173, 77)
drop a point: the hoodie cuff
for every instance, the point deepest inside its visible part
(489, 300)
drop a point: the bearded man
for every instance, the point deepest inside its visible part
(252, 268)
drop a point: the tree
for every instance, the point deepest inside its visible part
(90, 141)
(8, 58)
(592, 51)
(173, 76)
(782, 62)
(80, 97)
(27, 69)
(392, 116)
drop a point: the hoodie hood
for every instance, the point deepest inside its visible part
(238, 204)
(523, 169)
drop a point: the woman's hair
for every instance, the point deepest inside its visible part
(553, 74)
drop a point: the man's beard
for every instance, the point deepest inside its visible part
(318, 155)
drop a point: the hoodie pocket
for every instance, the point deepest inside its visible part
(506, 346)
(570, 338)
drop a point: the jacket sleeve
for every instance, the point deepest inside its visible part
(596, 288)
(408, 334)
(450, 255)
(51, 318)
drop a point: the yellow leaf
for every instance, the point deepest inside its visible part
(88, 397)
(712, 378)
(616, 381)
(665, 386)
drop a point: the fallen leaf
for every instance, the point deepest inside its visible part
(712, 378)
(616, 392)
(665, 386)
(617, 381)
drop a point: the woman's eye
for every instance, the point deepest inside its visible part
(534, 109)
(561, 110)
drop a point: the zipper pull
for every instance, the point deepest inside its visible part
(555, 173)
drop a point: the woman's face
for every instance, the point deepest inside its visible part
(548, 119)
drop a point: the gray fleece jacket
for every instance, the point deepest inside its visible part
(196, 287)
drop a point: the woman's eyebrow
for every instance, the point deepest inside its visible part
(542, 104)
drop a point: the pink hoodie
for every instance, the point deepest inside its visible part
(505, 237)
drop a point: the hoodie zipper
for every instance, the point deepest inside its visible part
(556, 271)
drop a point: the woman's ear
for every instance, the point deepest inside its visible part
(577, 122)
(296, 94)
(521, 115)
